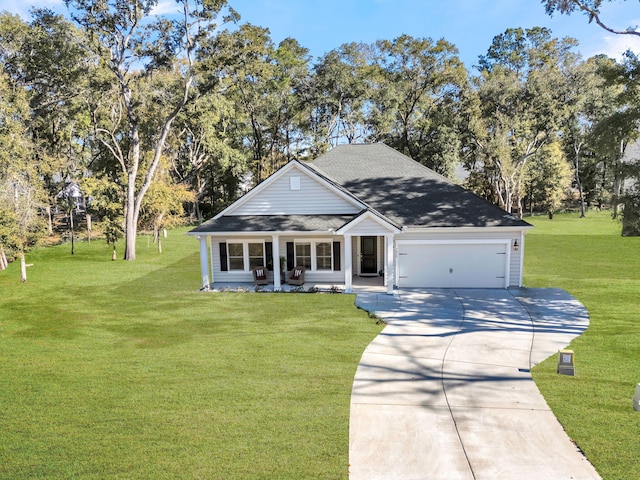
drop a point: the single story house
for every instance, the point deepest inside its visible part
(364, 210)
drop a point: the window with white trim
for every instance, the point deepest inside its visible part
(303, 255)
(324, 256)
(243, 255)
(315, 254)
(236, 256)
(256, 255)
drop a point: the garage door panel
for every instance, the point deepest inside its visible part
(452, 265)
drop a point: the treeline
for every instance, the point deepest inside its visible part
(164, 118)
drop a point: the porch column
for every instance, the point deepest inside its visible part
(521, 253)
(275, 239)
(204, 262)
(389, 268)
(348, 260)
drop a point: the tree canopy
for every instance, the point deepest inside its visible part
(170, 117)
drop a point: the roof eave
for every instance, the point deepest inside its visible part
(266, 233)
(506, 228)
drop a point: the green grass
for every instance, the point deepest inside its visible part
(588, 258)
(125, 370)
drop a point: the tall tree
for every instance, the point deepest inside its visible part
(549, 178)
(628, 76)
(589, 100)
(135, 44)
(208, 153)
(291, 79)
(21, 192)
(264, 81)
(243, 68)
(417, 88)
(522, 93)
(339, 96)
(54, 71)
(45, 58)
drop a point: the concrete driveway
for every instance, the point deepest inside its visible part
(445, 391)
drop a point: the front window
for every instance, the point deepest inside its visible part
(236, 256)
(323, 256)
(256, 255)
(303, 255)
(317, 254)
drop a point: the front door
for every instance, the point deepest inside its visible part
(368, 255)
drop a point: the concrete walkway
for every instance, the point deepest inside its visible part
(445, 390)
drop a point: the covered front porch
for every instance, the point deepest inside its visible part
(358, 285)
(340, 260)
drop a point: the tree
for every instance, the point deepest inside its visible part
(21, 192)
(591, 8)
(522, 103)
(164, 204)
(291, 62)
(417, 87)
(208, 153)
(263, 81)
(134, 47)
(47, 59)
(68, 200)
(106, 204)
(590, 101)
(549, 178)
(339, 96)
(629, 111)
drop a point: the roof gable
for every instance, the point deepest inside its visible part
(405, 191)
(367, 223)
(294, 190)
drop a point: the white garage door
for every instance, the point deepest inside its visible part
(437, 265)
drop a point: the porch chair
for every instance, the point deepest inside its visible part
(296, 276)
(260, 276)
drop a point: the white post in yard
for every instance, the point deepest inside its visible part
(276, 262)
(204, 262)
(347, 264)
(388, 270)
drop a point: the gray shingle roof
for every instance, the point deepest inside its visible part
(407, 192)
(273, 223)
(402, 190)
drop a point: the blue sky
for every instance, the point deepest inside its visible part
(321, 25)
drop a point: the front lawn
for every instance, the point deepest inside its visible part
(588, 258)
(125, 370)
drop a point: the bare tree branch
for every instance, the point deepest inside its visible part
(592, 11)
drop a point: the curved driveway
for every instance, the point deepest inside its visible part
(445, 390)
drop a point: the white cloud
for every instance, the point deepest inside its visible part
(166, 7)
(615, 45)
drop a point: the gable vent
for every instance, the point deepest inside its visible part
(294, 183)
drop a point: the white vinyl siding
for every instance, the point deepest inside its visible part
(368, 228)
(312, 198)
